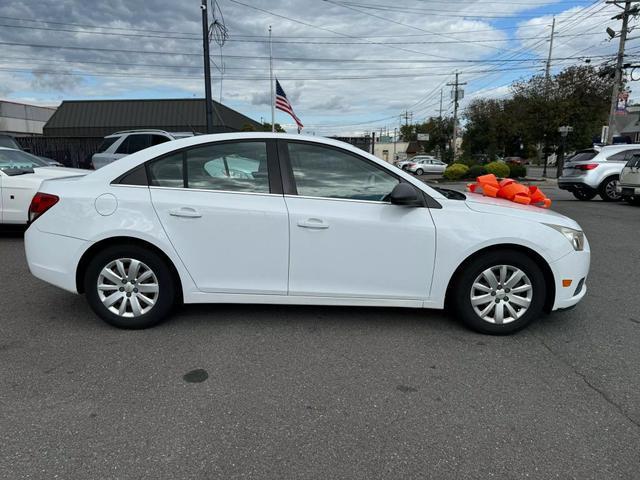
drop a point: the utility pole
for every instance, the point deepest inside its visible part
(273, 95)
(406, 118)
(395, 139)
(207, 66)
(456, 98)
(617, 80)
(547, 73)
(440, 116)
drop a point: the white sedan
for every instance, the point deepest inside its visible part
(312, 221)
(20, 177)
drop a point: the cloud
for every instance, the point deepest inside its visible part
(386, 61)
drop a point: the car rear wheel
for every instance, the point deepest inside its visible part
(499, 293)
(584, 195)
(130, 287)
(609, 190)
(419, 171)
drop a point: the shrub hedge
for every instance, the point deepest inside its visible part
(476, 171)
(455, 171)
(499, 169)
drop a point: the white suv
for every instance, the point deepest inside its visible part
(630, 181)
(596, 171)
(126, 142)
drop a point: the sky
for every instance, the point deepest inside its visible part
(347, 66)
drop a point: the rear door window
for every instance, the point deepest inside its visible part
(134, 143)
(583, 156)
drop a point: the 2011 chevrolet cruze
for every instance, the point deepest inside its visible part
(290, 219)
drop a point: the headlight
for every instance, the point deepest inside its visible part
(575, 237)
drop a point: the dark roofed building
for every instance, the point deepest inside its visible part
(98, 118)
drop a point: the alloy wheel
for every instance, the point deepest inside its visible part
(611, 189)
(128, 287)
(501, 294)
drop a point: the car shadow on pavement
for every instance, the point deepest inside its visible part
(314, 316)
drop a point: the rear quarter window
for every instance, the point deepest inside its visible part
(106, 143)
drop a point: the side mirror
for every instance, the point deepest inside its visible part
(405, 194)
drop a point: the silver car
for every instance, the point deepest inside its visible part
(594, 172)
(630, 181)
(424, 165)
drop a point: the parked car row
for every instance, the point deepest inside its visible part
(421, 164)
(610, 171)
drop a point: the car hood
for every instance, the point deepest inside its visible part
(500, 206)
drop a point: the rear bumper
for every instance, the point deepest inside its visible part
(54, 258)
(575, 267)
(574, 185)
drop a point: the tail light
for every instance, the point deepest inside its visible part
(41, 203)
(587, 166)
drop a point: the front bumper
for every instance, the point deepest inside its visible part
(575, 267)
(629, 190)
(54, 258)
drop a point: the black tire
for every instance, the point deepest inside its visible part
(460, 295)
(419, 171)
(584, 195)
(606, 190)
(166, 294)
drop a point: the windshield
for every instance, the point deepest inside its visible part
(9, 142)
(15, 162)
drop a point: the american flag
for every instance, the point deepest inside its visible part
(283, 104)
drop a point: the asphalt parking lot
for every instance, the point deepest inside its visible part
(319, 392)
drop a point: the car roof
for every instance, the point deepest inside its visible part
(619, 148)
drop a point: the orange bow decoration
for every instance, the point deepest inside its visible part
(511, 190)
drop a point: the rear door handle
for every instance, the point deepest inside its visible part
(186, 212)
(315, 223)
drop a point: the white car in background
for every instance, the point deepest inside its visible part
(595, 171)
(126, 142)
(20, 177)
(421, 166)
(293, 219)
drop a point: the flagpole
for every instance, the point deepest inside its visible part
(273, 99)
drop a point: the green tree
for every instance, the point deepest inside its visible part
(266, 127)
(440, 131)
(577, 96)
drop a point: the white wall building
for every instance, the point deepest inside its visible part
(389, 151)
(20, 119)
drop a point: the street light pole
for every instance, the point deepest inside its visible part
(617, 79)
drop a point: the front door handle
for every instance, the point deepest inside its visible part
(186, 212)
(315, 223)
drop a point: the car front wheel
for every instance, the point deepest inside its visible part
(130, 287)
(609, 190)
(499, 293)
